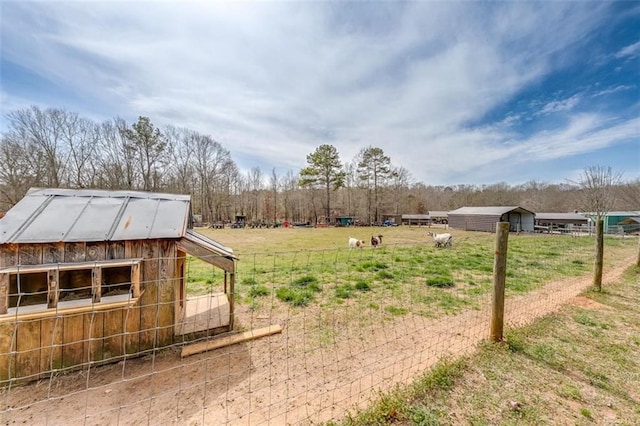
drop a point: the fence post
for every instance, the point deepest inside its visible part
(599, 259)
(638, 259)
(499, 275)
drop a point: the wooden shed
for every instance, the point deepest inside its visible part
(89, 276)
(485, 218)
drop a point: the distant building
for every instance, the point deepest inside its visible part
(485, 218)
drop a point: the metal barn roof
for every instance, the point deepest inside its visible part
(416, 216)
(68, 215)
(561, 216)
(490, 211)
(434, 213)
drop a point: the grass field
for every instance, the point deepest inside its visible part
(406, 274)
(577, 367)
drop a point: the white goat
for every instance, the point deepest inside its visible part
(355, 243)
(442, 240)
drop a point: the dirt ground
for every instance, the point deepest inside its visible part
(309, 373)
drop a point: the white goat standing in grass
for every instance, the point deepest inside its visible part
(442, 240)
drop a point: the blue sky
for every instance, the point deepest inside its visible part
(455, 92)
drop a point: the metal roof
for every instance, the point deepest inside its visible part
(561, 216)
(416, 216)
(70, 215)
(490, 211)
(436, 213)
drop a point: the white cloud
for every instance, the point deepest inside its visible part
(273, 80)
(631, 51)
(561, 105)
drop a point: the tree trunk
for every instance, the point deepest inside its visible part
(597, 273)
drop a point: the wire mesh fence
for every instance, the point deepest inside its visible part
(350, 323)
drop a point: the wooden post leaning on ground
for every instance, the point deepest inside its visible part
(499, 277)
(598, 263)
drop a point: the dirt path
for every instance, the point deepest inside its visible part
(308, 374)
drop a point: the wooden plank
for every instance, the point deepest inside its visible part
(96, 250)
(116, 250)
(135, 280)
(47, 313)
(30, 254)
(74, 252)
(166, 293)
(28, 349)
(69, 266)
(113, 345)
(51, 345)
(53, 253)
(73, 340)
(96, 284)
(132, 329)
(206, 255)
(8, 255)
(149, 299)
(7, 346)
(94, 330)
(4, 293)
(220, 342)
(133, 249)
(53, 288)
(231, 295)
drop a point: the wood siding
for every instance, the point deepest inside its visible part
(33, 348)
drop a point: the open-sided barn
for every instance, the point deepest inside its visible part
(560, 221)
(416, 219)
(485, 218)
(89, 276)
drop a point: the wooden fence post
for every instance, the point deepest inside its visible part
(499, 276)
(638, 259)
(599, 259)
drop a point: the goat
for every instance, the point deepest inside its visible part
(442, 240)
(376, 241)
(355, 243)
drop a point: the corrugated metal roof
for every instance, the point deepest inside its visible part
(561, 216)
(68, 215)
(209, 244)
(435, 213)
(490, 210)
(416, 216)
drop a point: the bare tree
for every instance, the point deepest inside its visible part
(42, 131)
(20, 170)
(596, 197)
(275, 184)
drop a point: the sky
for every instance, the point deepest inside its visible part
(455, 92)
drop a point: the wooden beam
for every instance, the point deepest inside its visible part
(206, 255)
(220, 342)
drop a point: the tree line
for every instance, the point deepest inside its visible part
(57, 148)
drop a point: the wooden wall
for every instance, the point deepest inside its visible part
(33, 348)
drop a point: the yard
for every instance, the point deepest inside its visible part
(354, 322)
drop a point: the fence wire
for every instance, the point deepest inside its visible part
(354, 323)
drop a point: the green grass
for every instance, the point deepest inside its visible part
(405, 272)
(553, 371)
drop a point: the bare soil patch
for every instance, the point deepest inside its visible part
(318, 369)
